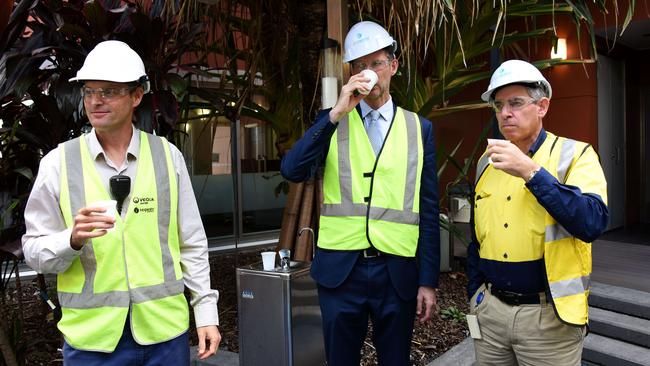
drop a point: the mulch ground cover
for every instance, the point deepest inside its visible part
(31, 326)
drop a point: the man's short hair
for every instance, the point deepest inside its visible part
(536, 91)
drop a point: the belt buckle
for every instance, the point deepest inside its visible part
(370, 253)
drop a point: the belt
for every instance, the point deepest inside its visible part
(515, 298)
(371, 252)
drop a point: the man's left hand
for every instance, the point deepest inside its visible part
(208, 336)
(427, 303)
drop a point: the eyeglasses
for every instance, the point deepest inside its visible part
(376, 65)
(104, 93)
(514, 104)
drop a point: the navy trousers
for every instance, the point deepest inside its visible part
(175, 352)
(366, 293)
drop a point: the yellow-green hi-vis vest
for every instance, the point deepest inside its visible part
(508, 219)
(373, 199)
(135, 267)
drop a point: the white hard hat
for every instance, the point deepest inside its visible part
(365, 38)
(113, 61)
(515, 72)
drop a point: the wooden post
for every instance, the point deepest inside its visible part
(337, 29)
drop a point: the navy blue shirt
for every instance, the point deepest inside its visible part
(308, 153)
(586, 220)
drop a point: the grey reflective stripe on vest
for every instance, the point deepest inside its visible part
(555, 232)
(87, 298)
(347, 207)
(573, 286)
(77, 195)
(566, 157)
(164, 204)
(412, 162)
(480, 167)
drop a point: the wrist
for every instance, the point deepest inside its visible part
(531, 174)
(335, 116)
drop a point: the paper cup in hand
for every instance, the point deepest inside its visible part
(493, 142)
(369, 74)
(268, 261)
(111, 209)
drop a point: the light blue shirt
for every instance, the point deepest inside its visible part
(386, 111)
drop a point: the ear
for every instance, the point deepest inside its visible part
(136, 96)
(394, 64)
(543, 104)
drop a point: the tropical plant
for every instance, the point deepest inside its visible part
(453, 313)
(445, 46)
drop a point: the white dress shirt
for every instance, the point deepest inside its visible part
(46, 244)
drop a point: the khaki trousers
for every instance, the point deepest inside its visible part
(524, 335)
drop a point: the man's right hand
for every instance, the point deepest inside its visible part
(348, 99)
(89, 223)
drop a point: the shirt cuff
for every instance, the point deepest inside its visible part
(206, 313)
(543, 179)
(61, 245)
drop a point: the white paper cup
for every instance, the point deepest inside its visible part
(493, 142)
(111, 210)
(268, 261)
(373, 80)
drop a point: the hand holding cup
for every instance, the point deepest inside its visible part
(369, 74)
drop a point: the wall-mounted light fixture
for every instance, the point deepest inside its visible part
(559, 51)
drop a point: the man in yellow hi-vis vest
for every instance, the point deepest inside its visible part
(378, 251)
(539, 202)
(121, 276)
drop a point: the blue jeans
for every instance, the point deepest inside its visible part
(175, 352)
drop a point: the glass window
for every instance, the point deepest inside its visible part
(207, 149)
(262, 197)
(207, 144)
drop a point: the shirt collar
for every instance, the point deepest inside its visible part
(385, 110)
(96, 148)
(538, 143)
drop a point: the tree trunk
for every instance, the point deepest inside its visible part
(303, 247)
(7, 352)
(290, 216)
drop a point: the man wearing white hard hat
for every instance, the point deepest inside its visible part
(121, 275)
(378, 249)
(539, 202)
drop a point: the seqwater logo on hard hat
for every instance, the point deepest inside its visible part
(361, 38)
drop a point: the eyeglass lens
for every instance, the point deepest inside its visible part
(375, 65)
(514, 104)
(104, 93)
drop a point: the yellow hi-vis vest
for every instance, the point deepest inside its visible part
(508, 219)
(135, 267)
(373, 200)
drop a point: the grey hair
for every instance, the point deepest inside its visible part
(536, 91)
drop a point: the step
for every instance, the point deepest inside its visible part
(221, 358)
(620, 299)
(620, 326)
(608, 351)
(461, 354)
